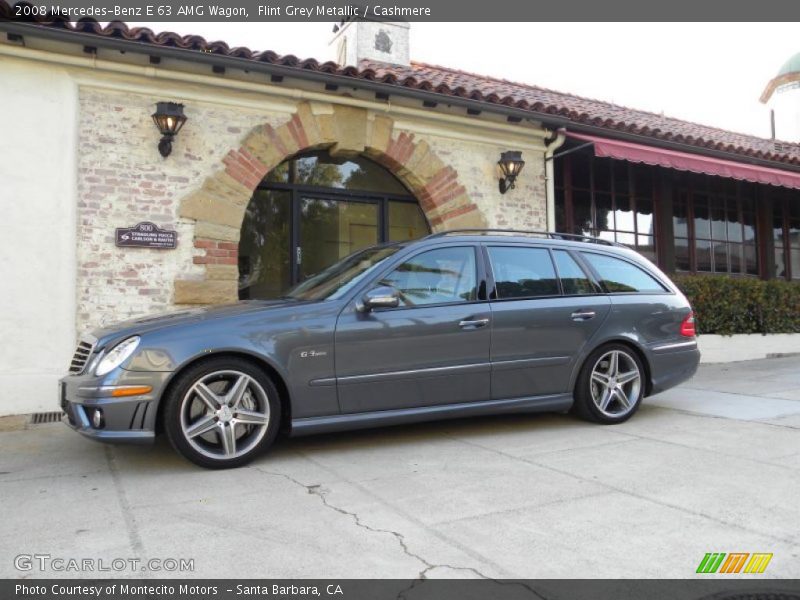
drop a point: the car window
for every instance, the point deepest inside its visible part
(620, 276)
(440, 276)
(573, 279)
(521, 272)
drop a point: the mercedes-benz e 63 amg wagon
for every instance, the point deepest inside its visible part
(462, 323)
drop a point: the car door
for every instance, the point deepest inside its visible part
(540, 322)
(432, 349)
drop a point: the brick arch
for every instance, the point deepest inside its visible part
(219, 206)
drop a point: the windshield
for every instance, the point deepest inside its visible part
(340, 277)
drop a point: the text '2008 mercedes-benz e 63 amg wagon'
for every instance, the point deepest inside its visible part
(460, 323)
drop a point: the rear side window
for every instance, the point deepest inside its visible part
(620, 276)
(521, 272)
(573, 279)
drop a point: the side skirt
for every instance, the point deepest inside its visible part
(344, 422)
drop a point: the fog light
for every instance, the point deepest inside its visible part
(97, 418)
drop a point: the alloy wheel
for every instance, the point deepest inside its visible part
(225, 414)
(615, 383)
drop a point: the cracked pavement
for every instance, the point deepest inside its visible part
(711, 466)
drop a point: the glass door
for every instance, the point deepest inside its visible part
(330, 229)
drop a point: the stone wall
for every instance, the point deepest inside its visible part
(219, 157)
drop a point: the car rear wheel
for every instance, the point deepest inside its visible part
(222, 413)
(610, 385)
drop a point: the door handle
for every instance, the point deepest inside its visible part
(473, 323)
(583, 315)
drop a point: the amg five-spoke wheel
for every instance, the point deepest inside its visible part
(610, 386)
(221, 413)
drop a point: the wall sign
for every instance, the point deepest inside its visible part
(146, 235)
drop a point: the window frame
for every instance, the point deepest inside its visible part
(666, 289)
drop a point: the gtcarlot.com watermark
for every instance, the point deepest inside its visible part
(47, 563)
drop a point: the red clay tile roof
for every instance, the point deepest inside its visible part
(452, 82)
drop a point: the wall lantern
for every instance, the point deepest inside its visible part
(511, 164)
(169, 119)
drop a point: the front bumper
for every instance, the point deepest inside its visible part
(129, 419)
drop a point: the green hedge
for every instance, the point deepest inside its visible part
(728, 305)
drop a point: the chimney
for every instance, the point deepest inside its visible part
(357, 39)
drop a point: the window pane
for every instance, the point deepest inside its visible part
(264, 264)
(646, 246)
(702, 250)
(623, 216)
(441, 276)
(580, 165)
(643, 180)
(621, 177)
(523, 272)
(794, 258)
(750, 259)
(604, 217)
(406, 222)
(718, 228)
(720, 251)
(573, 279)
(735, 226)
(680, 218)
(332, 229)
(682, 254)
(323, 170)
(621, 276)
(581, 213)
(644, 216)
(735, 258)
(780, 263)
(702, 225)
(602, 174)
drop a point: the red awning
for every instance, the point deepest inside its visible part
(683, 161)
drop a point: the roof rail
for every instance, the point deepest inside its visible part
(553, 235)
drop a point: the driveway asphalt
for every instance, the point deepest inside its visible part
(711, 466)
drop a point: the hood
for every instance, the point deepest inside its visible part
(143, 325)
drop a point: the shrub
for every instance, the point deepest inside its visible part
(728, 305)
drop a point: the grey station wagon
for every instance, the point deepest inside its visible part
(460, 323)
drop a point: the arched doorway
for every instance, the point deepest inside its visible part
(314, 209)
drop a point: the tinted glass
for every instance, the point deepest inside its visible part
(323, 170)
(333, 229)
(264, 259)
(406, 222)
(523, 272)
(343, 275)
(573, 279)
(441, 276)
(621, 276)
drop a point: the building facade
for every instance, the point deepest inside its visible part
(283, 166)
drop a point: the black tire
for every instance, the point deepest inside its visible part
(225, 434)
(584, 404)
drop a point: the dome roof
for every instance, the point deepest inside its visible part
(791, 66)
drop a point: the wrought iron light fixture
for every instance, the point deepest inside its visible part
(169, 119)
(511, 164)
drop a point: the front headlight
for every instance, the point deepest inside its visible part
(118, 355)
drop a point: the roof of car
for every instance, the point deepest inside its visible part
(523, 235)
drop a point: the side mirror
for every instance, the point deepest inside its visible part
(380, 297)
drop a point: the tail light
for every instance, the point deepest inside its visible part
(687, 326)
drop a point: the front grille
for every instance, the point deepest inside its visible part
(81, 357)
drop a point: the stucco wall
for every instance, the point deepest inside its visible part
(37, 253)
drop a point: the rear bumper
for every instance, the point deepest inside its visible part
(129, 420)
(672, 364)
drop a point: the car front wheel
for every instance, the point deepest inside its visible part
(222, 413)
(610, 386)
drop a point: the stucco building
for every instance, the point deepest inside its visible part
(284, 165)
